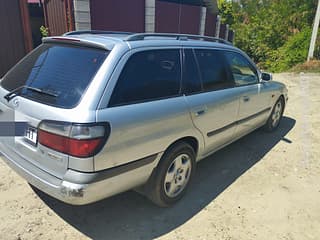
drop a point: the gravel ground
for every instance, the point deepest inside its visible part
(264, 186)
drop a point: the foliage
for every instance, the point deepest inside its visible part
(272, 32)
(226, 11)
(44, 31)
(317, 50)
(294, 51)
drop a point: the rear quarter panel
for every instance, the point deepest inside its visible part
(141, 130)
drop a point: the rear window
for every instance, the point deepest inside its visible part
(61, 69)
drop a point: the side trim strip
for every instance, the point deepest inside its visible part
(214, 132)
(254, 116)
(87, 178)
(217, 131)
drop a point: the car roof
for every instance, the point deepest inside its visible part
(107, 40)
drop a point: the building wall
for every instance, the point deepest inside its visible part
(82, 14)
(56, 16)
(118, 15)
(13, 37)
(177, 18)
(166, 17)
(210, 24)
(190, 19)
(144, 16)
(150, 11)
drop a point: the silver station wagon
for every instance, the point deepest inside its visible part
(105, 112)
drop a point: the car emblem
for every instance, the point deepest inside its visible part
(15, 103)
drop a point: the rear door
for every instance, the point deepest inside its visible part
(145, 107)
(209, 91)
(254, 97)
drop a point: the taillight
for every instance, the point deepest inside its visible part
(78, 140)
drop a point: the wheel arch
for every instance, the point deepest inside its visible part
(191, 140)
(282, 97)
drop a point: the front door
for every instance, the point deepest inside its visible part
(254, 106)
(210, 94)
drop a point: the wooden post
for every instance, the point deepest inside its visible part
(70, 15)
(226, 35)
(218, 24)
(314, 33)
(233, 36)
(202, 23)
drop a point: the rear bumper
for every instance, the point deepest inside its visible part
(78, 188)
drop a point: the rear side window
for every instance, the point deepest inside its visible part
(61, 69)
(213, 70)
(147, 76)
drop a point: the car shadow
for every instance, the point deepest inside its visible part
(131, 216)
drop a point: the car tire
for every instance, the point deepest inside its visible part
(275, 116)
(172, 176)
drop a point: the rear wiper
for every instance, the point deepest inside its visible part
(16, 92)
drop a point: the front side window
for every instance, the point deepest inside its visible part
(148, 75)
(213, 69)
(242, 71)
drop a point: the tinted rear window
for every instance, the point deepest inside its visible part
(62, 69)
(148, 75)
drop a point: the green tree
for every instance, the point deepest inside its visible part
(226, 11)
(269, 29)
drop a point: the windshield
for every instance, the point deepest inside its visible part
(61, 69)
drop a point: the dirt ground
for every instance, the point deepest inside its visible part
(264, 186)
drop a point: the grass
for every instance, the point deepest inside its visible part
(312, 66)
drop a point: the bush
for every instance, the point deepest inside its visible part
(44, 31)
(317, 50)
(294, 51)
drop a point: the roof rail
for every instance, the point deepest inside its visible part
(142, 36)
(95, 32)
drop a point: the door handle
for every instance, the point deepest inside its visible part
(200, 112)
(246, 99)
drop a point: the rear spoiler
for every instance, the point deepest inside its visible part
(74, 41)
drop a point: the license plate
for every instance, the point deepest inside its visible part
(31, 135)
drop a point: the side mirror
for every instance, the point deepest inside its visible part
(266, 76)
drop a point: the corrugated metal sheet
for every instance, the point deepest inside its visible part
(223, 28)
(56, 16)
(177, 18)
(190, 19)
(212, 5)
(211, 20)
(167, 17)
(231, 36)
(118, 15)
(12, 38)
